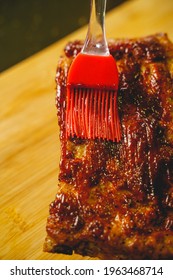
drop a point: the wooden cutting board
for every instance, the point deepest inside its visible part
(29, 142)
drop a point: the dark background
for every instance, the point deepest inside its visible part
(27, 26)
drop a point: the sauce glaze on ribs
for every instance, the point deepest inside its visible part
(115, 200)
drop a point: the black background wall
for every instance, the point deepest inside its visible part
(27, 26)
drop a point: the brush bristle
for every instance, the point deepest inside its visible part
(92, 113)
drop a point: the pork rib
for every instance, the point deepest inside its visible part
(115, 200)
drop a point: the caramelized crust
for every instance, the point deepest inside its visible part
(115, 200)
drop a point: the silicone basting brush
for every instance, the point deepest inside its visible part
(92, 84)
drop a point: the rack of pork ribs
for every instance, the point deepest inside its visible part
(115, 200)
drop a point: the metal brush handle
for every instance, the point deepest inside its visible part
(95, 42)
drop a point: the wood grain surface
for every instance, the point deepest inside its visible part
(29, 142)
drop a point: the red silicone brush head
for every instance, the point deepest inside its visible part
(91, 110)
(93, 71)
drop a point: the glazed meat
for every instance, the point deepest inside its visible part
(115, 200)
